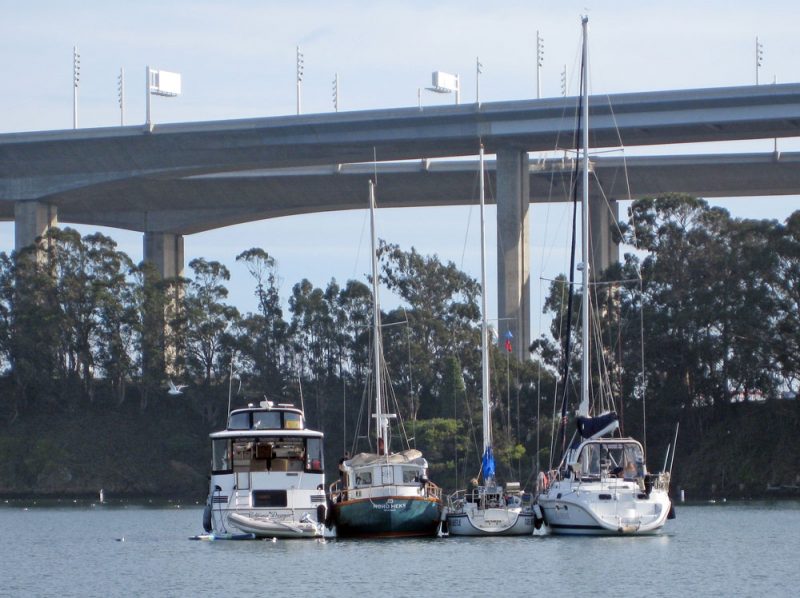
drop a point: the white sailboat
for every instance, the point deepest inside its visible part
(602, 485)
(488, 509)
(384, 494)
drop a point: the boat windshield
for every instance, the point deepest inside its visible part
(265, 420)
(617, 459)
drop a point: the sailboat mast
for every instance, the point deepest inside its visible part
(487, 423)
(585, 302)
(380, 420)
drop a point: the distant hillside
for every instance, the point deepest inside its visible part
(164, 453)
(754, 447)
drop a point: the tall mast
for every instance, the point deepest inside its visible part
(585, 302)
(487, 423)
(381, 421)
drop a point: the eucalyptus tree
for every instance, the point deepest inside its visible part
(110, 274)
(786, 339)
(31, 324)
(6, 310)
(440, 310)
(206, 318)
(262, 344)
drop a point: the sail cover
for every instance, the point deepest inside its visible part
(487, 465)
(594, 427)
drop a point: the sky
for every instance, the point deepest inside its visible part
(237, 60)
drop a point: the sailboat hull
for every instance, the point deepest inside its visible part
(602, 512)
(386, 517)
(490, 522)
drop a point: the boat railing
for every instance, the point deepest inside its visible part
(431, 490)
(338, 492)
(479, 496)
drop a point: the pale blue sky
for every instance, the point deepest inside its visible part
(237, 59)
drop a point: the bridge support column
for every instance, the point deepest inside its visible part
(165, 251)
(32, 219)
(604, 250)
(513, 253)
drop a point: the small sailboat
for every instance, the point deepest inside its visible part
(384, 494)
(267, 476)
(488, 509)
(602, 485)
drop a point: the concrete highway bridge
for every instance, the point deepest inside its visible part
(177, 179)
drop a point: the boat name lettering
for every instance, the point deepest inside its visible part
(389, 506)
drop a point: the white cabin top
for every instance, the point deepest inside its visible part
(266, 418)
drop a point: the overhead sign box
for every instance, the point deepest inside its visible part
(444, 81)
(164, 83)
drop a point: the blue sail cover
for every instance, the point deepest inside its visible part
(590, 426)
(487, 465)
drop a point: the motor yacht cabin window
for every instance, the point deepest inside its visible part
(239, 421)
(314, 455)
(292, 421)
(220, 455)
(267, 420)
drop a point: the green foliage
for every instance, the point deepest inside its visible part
(88, 339)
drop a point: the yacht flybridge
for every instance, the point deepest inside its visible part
(267, 475)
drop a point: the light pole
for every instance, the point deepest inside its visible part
(759, 57)
(478, 71)
(76, 78)
(299, 76)
(539, 60)
(121, 96)
(336, 92)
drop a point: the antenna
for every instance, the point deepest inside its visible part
(230, 384)
(302, 402)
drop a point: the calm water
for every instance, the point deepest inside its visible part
(750, 549)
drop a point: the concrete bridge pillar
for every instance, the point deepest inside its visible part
(513, 253)
(165, 251)
(603, 220)
(32, 219)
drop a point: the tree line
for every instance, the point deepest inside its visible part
(712, 301)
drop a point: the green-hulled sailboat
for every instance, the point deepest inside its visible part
(384, 494)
